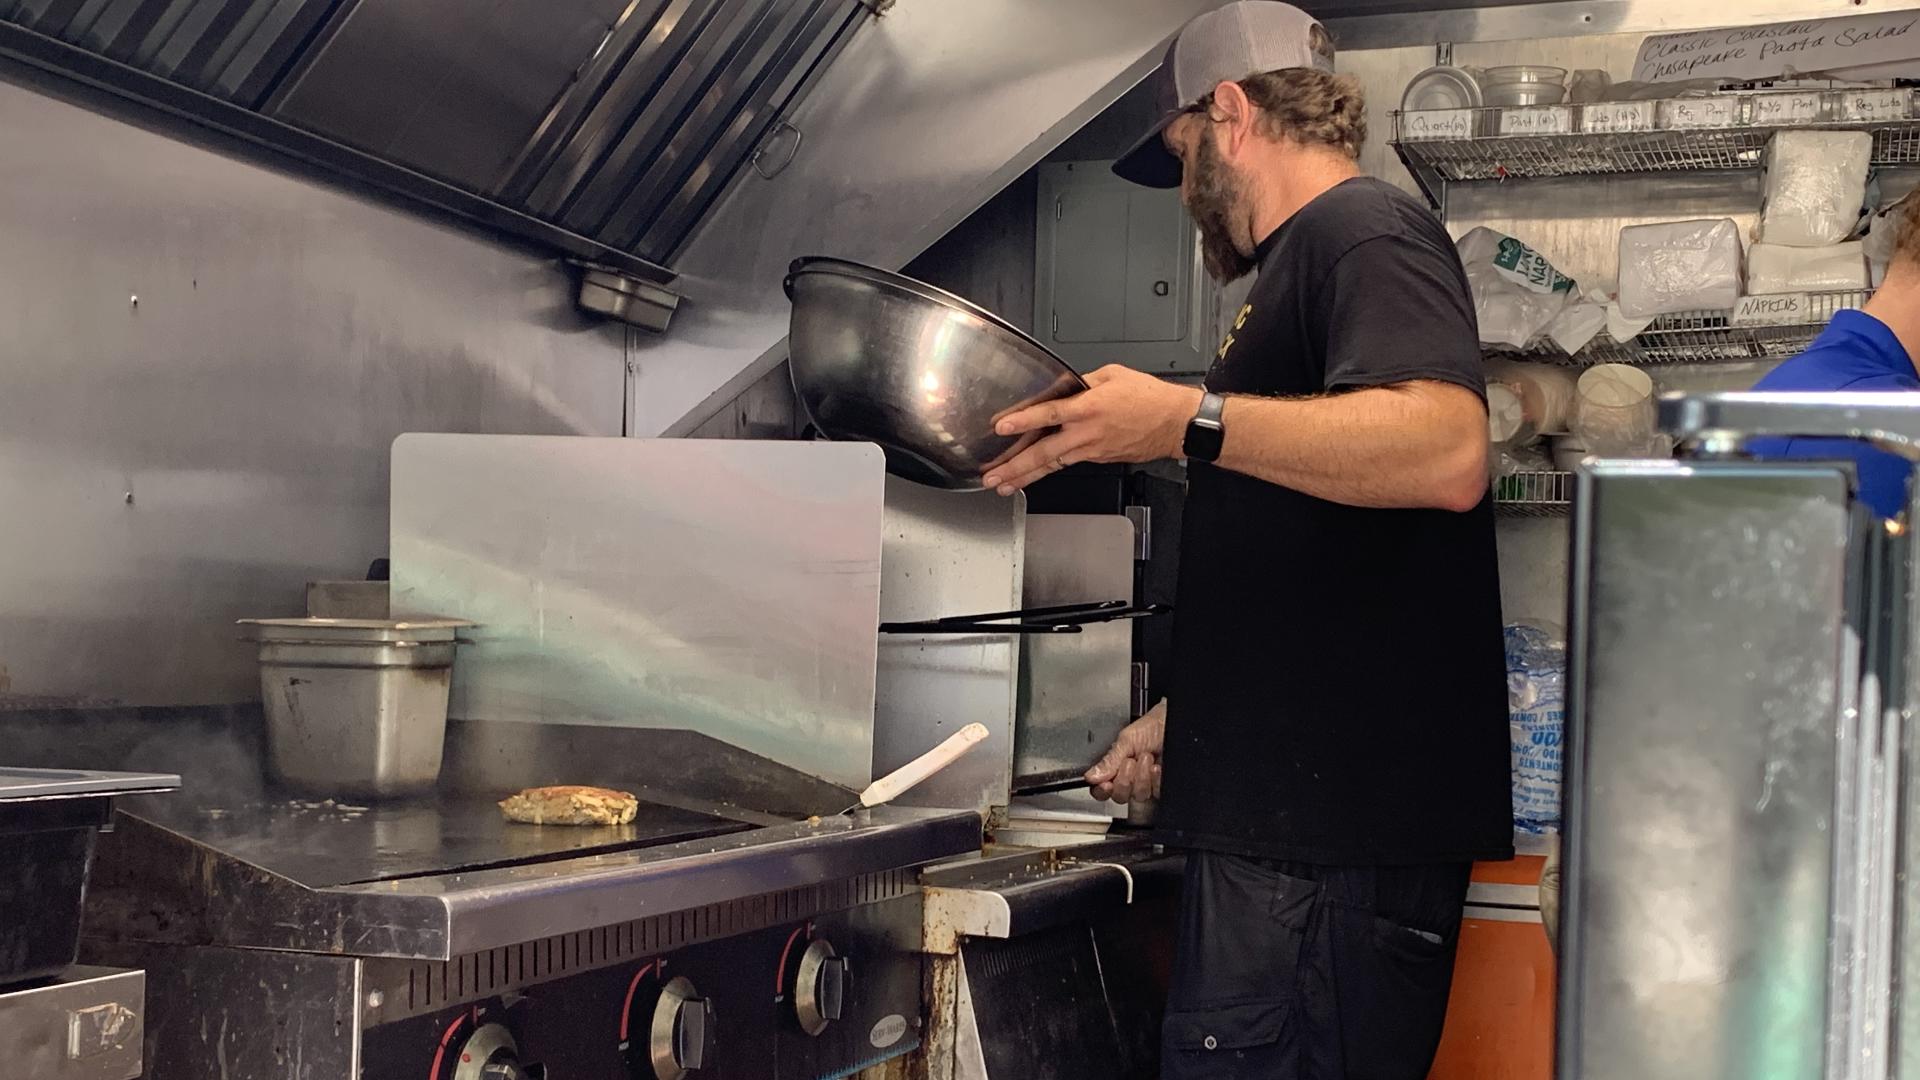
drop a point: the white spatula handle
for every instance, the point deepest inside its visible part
(888, 787)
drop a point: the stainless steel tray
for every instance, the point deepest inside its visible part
(356, 631)
(18, 784)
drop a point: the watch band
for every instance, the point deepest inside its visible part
(1207, 431)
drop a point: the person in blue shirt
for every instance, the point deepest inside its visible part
(1866, 350)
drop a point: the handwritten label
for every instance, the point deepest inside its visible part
(1617, 116)
(1706, 112)
(1437, 124)
(1772, 309)
(1536, 120)
(1873, 105)
(1774, 110)
(1775, 49)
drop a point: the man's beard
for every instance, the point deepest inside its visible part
(1212, 195)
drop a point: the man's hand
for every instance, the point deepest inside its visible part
(1131, 769)
(1124, 415)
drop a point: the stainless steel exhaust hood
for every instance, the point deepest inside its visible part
(603, 128)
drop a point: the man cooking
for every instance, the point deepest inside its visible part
(1335, 745)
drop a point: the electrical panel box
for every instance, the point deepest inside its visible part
(1118, 275)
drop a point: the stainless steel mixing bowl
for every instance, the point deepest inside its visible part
(878, 357)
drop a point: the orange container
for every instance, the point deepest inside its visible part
(1500, 1017)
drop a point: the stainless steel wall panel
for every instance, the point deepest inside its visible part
(766, 410)
(170, 466)
(1076, 690)
(949, 553)
(723, 586)
(1709, 670)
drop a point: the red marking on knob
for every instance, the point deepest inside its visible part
(627, 1009)
(448, 1038)
(780, 973)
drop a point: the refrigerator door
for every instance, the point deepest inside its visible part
(1713, 778)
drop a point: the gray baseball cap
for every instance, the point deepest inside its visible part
(1247, 37)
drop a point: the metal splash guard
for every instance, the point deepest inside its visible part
(720, 586)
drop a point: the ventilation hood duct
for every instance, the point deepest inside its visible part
(680, 153)
(931, 111)
(605, 129)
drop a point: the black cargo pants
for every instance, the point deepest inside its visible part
(1294, 971)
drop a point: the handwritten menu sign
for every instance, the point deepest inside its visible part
(1776, 110)
(1775, 49)
(1874, 105)
(1437, 124)
(1703, 112)
(1773, 309)
(1538, 120)
(1617, 116)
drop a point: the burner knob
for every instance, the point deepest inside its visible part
(491, 1054)
(820, 987)
(682, 1036)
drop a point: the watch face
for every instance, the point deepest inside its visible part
(1203, 441)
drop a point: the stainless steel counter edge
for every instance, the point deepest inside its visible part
(154, 885)
(1010, 894)
(467, 913)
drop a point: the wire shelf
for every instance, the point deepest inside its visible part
(1541, 493)
(1454, 145)
(1502, 157)
(1699, 337)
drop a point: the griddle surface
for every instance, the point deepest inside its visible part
(321, 843)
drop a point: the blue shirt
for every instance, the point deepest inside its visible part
(1855, 352)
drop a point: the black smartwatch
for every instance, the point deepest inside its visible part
(1205, 432)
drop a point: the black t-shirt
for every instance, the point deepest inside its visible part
(1339, 685)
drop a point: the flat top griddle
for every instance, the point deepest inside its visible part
(321, 843)
(691, 787)
(231, 859)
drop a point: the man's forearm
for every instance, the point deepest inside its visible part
(1417, 445)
